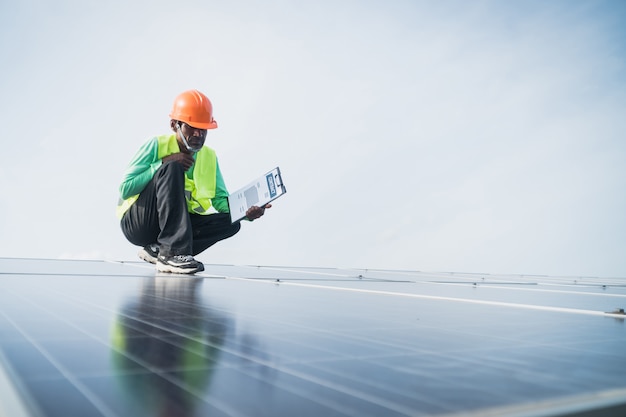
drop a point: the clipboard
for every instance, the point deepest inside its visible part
(259, 192)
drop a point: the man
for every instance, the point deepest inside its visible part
(173, 200)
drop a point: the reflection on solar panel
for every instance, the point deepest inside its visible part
(95, 338)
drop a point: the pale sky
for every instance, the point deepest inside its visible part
(469, 136)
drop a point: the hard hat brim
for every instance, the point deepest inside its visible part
(198, 125)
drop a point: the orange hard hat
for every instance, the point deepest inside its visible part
(195, 109)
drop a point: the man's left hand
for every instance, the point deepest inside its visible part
(255, 212)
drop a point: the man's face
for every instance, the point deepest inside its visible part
(195, 137)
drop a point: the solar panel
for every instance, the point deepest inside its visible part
(97, 338)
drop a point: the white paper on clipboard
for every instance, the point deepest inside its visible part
(259, 192)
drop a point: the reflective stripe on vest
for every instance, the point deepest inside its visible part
(199, 190)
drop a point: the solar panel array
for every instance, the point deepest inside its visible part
(96, 338)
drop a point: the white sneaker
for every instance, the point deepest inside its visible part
(178, 264)
(149, 253)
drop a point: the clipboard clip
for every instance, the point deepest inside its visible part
(278, 179)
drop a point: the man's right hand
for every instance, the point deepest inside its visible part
(185, 159)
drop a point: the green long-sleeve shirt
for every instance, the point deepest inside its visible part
(146, 162)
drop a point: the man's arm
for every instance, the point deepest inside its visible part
(141, 169)
(220, 201)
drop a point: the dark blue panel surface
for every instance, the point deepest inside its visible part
(116, 339)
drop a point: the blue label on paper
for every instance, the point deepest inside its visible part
(271, 185)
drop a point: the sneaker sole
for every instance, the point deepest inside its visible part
(147, 257)
(161, 267)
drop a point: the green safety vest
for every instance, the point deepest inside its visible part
(199, 189)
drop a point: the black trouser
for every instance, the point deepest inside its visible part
(160, 216)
